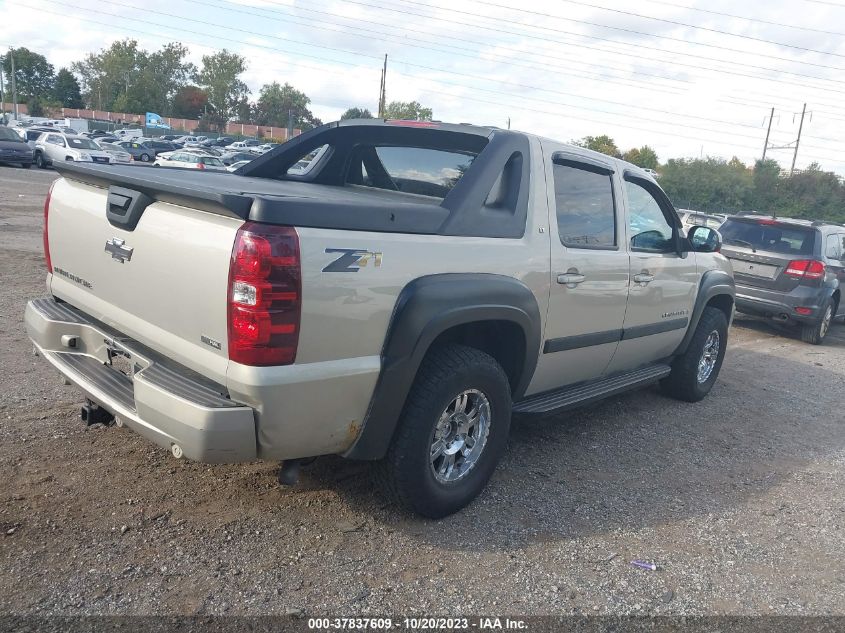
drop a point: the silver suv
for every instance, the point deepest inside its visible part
(57, 147)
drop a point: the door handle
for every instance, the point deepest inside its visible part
(643, 278)
(571, 278)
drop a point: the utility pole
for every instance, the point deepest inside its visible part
(800, 127)
(768, 131)
(382, 100)
(14, 86)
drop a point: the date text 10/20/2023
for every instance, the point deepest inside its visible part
(418, 624)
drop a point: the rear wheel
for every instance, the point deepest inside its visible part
(815, 333)
(145, 158)
(695, 371)
(453, 432)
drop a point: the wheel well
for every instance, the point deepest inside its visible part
(725, 303)
(503, 340)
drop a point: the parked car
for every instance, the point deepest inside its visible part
(14, 149)
(118, 153)
(186, 140)
(31, 134)
(139, 151)
(169, 137)
(160, 146)
(128, 133)
(222, 141)
(401, 315)
(237, 166)
(240, 146)
(229, 158)
(792, 271)
(96, 133)
(189, 160)
(266, 147)
(696, 218)
(53, 147)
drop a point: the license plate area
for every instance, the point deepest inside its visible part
(767, 271)
(122, 362)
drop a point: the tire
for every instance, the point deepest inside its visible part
(145, 158)
(26, 165)
(815, 333)
(446, 375)
(39, 160)
(685, 382)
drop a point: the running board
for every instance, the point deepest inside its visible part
(585, 393)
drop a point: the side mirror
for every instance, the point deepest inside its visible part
(703, 239)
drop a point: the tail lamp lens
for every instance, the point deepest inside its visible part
(805, 269)
(265, 295)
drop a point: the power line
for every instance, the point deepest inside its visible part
(692, 26)
(660, 132)
(578, 45)
(615, 28)
(742, 17)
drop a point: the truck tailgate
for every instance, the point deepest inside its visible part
(163, 283)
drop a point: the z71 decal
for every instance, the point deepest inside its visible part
(351, 260)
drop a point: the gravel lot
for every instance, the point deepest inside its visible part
(738, 499)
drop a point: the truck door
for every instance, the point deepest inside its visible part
(663, 283)
(589, 271)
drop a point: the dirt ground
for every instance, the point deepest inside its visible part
(738, 499)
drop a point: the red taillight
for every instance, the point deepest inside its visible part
(804, 311)
(46, 231)
(265, 295)
(805, 269)
(200, 166)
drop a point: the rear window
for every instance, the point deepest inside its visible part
(417, 170)
(772, 237)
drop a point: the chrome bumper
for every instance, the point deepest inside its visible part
(166, 404)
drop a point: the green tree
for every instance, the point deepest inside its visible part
(66, 90)
(644, 156)
(34, 76)
(765, 182)
(603, 144)
(277, 103)
(163, 74)
(220, 78)
(356, 113)
(189, 102)
(408, 111)
(34, 107)
(707, 184)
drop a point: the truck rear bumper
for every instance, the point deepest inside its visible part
(167, 404)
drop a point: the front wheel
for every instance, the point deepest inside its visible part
(145, 158)
(815, 333)
(39, 160)
(452, 433)
(695, 371)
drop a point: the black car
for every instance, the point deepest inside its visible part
(223, 141)
(161, 146)
(230, 158)
(14, 149)
(792, 271)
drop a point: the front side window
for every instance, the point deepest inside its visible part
(586, 214)
(649, 228)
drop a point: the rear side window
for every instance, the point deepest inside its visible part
(210, 160)
(834, 246)
(418, 170)
(769, 236)
(586, 213)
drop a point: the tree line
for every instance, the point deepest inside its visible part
(718, 186)
(126, 78)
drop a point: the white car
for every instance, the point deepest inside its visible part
(126, 134)
(58, 147)
(696, 218)
(119, 154)
(189, 160)
(244, 146)
(238, 165)
(187, 140)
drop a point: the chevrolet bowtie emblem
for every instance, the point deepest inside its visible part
(115, 247)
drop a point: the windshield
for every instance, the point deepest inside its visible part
(768, 235)
(81, 143)
(9, 135)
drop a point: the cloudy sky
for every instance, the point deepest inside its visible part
(688, 77)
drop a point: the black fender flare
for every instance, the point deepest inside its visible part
(427, 307)
(712, 284)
